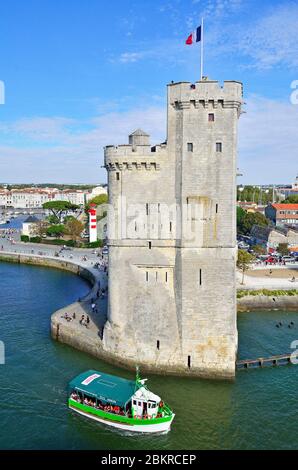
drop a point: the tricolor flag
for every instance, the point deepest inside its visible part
(195, 36)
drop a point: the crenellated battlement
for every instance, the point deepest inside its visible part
(112, 151)
(112, 164)
(205, 94)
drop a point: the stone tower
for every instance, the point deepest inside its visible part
(172, 238)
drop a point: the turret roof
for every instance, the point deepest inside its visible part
(139, 132)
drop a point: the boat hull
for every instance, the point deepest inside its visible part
(159, 425)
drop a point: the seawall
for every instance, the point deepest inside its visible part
(49, 262)
(267, 302)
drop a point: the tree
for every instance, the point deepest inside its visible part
(259, 249)
(249, 220)
(293, 199)
(283, 249)
(240, 214)
(74, 228)
(59, 208)
(53, 220)
(244, 261)
(56, 230)
(97, 200)
(40, 228)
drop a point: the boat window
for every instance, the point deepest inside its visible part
(140, 403)
(134, 402)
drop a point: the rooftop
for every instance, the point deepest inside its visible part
(289, 207)
(108, 388)
(31, 220)
(139, 132)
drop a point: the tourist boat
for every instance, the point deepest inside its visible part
(124, 404)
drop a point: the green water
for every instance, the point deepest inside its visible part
(258, 411)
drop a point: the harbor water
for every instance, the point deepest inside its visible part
(257, 411)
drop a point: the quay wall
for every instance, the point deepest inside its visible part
(48, 262)
(265, 302)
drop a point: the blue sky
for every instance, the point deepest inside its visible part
(83, 74)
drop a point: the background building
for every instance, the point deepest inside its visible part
(282, 214)
(30, 198)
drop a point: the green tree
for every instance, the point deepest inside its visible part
(97, 200)
(60, 209)
(53, 219)
(56, 230)
(240, 214)
(74, 228)
(250, 219)
(291, 199)
(244, 262)
(283, 249)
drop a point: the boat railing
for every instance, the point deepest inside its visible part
(167, 410)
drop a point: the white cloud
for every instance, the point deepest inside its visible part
(66, 150)
(273, 39)
(127, 57)
(268, 149)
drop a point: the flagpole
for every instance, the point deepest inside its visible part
(202, 48)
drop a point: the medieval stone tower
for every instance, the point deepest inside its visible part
(172, 237)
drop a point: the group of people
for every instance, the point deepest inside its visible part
(98, 404)
(68, 317)
(85, 320)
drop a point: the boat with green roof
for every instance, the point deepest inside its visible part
(120, 403)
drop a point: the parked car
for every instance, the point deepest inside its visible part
(288, 259)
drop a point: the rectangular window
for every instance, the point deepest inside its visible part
(158, 344)
(211, 117)
(156, 276)
(117, 176)
(166, 277)
(200, 277)
(147, 209)
(190, 147)
(150, 245)
(147, 276)
(189, 362)
(170, 226)
(216, 209)
(218, 146)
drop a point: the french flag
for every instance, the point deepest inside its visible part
(195, 36)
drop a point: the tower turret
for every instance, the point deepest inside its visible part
(139, 137)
